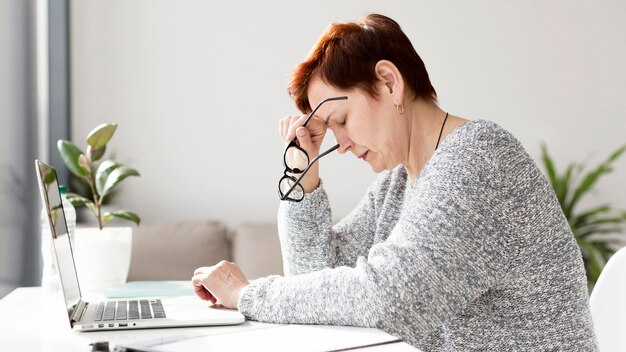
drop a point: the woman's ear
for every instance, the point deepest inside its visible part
(391, 80)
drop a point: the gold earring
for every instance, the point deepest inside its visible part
(400, 109)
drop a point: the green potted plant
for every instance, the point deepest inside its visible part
(101, 176)
(596, 229)
(102, 253)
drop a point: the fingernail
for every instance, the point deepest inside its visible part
(301, 132)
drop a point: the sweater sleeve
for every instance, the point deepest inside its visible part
(308, 240)
(447, 248)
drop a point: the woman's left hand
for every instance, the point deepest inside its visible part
(220, 283)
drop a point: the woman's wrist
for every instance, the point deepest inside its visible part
(311, 180)
(312, 187)
(240, 292)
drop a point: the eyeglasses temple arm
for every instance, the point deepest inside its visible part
(307, 169)
(320, 104)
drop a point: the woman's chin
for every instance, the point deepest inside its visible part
(376, 168)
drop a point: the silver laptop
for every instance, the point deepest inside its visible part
(139, 313)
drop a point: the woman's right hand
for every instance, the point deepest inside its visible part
(309, 138)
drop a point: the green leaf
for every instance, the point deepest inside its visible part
(564, 185)
(96, 154)
(116, 176)
(122, 214)
(549, 165)
(599, 231)
(590, 179)
(106, 217)
(102, 174)
(77, 200)
(594, 262)
(616, 154)
(70, 154)
(604, 249)
(581, 220)
(585, 185)
(613, 220)
(606, 244)
(84, 162)
(101, 135)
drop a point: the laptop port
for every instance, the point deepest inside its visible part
(111, 325)
(122, 325)
(100, 325)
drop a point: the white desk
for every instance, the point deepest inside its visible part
(22, 330)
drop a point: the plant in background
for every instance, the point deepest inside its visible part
(595, 229)
(79, 186)
(102, 176)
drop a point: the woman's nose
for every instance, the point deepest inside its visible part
(344, 146)
(344, 142)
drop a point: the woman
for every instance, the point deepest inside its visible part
(459, 245)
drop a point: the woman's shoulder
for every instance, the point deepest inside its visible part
(478, 153)
(480, 131)
(482, 138)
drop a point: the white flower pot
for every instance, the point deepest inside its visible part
(102, 257)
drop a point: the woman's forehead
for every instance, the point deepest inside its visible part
(319, 90)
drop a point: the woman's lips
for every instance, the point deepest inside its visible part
(363, 156)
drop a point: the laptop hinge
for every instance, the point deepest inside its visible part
(79, 310)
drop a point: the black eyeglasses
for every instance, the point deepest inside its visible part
(296, 161)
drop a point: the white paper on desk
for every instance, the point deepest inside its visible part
(283, 338)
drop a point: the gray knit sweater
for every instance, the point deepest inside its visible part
(475, 256)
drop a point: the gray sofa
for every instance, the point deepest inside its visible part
(173, 251)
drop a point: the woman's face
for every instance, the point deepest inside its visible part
(369, 128)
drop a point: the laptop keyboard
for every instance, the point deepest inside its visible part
(129, 310)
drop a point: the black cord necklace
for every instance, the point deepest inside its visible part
(441, 132)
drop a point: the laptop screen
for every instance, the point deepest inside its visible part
(51, 199)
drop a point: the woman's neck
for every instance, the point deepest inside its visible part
(425, 120)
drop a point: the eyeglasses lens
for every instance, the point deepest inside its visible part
(285, 185)
(296, 160)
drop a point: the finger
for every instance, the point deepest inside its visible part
(288, 122)
(281, 127)
(211, 298)
(202, 292)
(304, 138)
(200, 270)
(283, 124)
(196, 282)
(295, 123)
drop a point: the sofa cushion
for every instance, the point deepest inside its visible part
(174, 251)
(256, 249)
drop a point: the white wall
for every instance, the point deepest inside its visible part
(198, 87)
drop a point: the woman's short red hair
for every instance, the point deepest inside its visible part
(346, 54)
